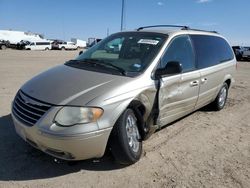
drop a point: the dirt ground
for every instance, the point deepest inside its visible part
(204, 149)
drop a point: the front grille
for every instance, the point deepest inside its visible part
(27, 109)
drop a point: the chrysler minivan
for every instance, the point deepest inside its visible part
(115, 99)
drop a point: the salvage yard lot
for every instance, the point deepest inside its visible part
(204, 149)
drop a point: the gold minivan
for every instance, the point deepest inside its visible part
(118, 92)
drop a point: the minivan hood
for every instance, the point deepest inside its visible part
(64, 85)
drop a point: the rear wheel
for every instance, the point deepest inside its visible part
(46, 48)
(125, 140)
(63, 48)
(3, 47)
(221, 98)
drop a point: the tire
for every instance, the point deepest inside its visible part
(3, 47)
(125, 140)
(46, 49)
(220, 101)
(63, 48)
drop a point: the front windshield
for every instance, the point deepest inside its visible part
(127, 53)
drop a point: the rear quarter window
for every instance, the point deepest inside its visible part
(211, 50)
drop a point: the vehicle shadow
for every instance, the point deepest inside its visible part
(19, 161)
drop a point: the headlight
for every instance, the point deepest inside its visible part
(68, 116)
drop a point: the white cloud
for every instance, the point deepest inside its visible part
(204, 1)
(160, 3)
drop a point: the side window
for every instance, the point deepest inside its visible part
(211, 50)
(180, 50)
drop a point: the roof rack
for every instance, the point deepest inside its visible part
(182, 27)
(203, 30)
(177, 26)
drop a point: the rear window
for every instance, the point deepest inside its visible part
(211, 50)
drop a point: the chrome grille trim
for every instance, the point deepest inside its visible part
(25, 115)
(26, 122)
(27, 109)
(20, 101)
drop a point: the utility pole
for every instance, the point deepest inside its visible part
(122, 16)
(107, 32)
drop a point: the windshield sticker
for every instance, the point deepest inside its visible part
(148, 41)
(137, 65)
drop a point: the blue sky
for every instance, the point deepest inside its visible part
(91, 18)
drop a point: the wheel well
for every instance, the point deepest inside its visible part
(139, 110)
(137, 106)
(228, 82)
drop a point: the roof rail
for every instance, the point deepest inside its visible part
(177, 26)
(202, 30)
(182, 27)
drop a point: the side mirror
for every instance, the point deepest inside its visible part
(172, 67)
(80, 52)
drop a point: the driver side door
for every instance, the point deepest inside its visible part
(178, 93)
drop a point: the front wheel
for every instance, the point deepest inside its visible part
(221, 98)
(125, 139)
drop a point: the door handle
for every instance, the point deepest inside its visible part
(194, 83)
(203, 80)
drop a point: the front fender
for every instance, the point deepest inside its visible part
(113, 107)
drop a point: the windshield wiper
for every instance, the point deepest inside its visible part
(104, 63)
(95, 62)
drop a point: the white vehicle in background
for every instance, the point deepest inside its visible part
(79, 43)
(39, 45)
(67, 46)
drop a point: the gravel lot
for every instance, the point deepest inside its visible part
(204, 149)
